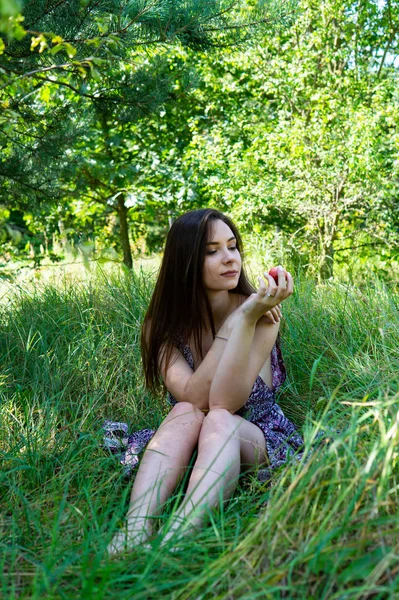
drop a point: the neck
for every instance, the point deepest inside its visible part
(221, 306)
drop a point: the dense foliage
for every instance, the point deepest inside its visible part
(99, 71)
(118, 116)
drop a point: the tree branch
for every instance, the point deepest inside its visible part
(391, 38)
(31, 73)
(361, 246)
(31, 187)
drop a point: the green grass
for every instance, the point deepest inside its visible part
(324, 529)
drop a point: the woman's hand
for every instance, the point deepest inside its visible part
(268, 296)
(269, 306)
(274, 315)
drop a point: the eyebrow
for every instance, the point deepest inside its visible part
(217, 243)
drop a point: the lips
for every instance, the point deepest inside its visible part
(231, 273)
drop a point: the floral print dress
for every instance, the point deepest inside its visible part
(281, 436)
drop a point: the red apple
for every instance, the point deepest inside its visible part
(273, 273)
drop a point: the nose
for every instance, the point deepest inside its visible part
(227, 258)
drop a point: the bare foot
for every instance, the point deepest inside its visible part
(177, 532)
(128, 537)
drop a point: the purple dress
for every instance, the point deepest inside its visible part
(281, 437)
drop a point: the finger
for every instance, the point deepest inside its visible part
(290, 284)
(281, 277)
(262, 286)
(272, 287)
(282, 280)
(275, 313)
(278, 314)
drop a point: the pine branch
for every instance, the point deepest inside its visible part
(32, 73)
(49, 11)
(239, 25)
(70, 86)
(27, 185)
(17, 143)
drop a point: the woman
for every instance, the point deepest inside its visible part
(213, 340)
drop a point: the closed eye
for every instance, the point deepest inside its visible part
(214, 251)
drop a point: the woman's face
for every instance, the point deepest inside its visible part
(222, 266)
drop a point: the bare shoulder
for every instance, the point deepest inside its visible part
(175, 372)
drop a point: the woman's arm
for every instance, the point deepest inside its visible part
(187, 385)
(247, 348)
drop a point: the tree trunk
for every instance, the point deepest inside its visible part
(63, 235)
(124, 229)
(327, 265)
(328, 237)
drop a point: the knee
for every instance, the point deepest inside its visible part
(221, 421)
(186, 412)
(182, 424)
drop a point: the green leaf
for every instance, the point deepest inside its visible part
(98, 61)
(15, 28)
(10, 8)
(71, 51)
(314, 369)
(95, 73)
(56, 49)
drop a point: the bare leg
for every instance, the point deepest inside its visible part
(224, 443)
(161, 468)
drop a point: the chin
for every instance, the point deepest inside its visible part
(230, 285)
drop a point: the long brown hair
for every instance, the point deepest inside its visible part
(179, 305)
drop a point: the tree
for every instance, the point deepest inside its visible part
(302, 134)
(96, 65)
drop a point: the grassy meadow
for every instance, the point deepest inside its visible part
(325, 528)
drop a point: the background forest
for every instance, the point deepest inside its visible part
(115, 117)
(118, 116)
